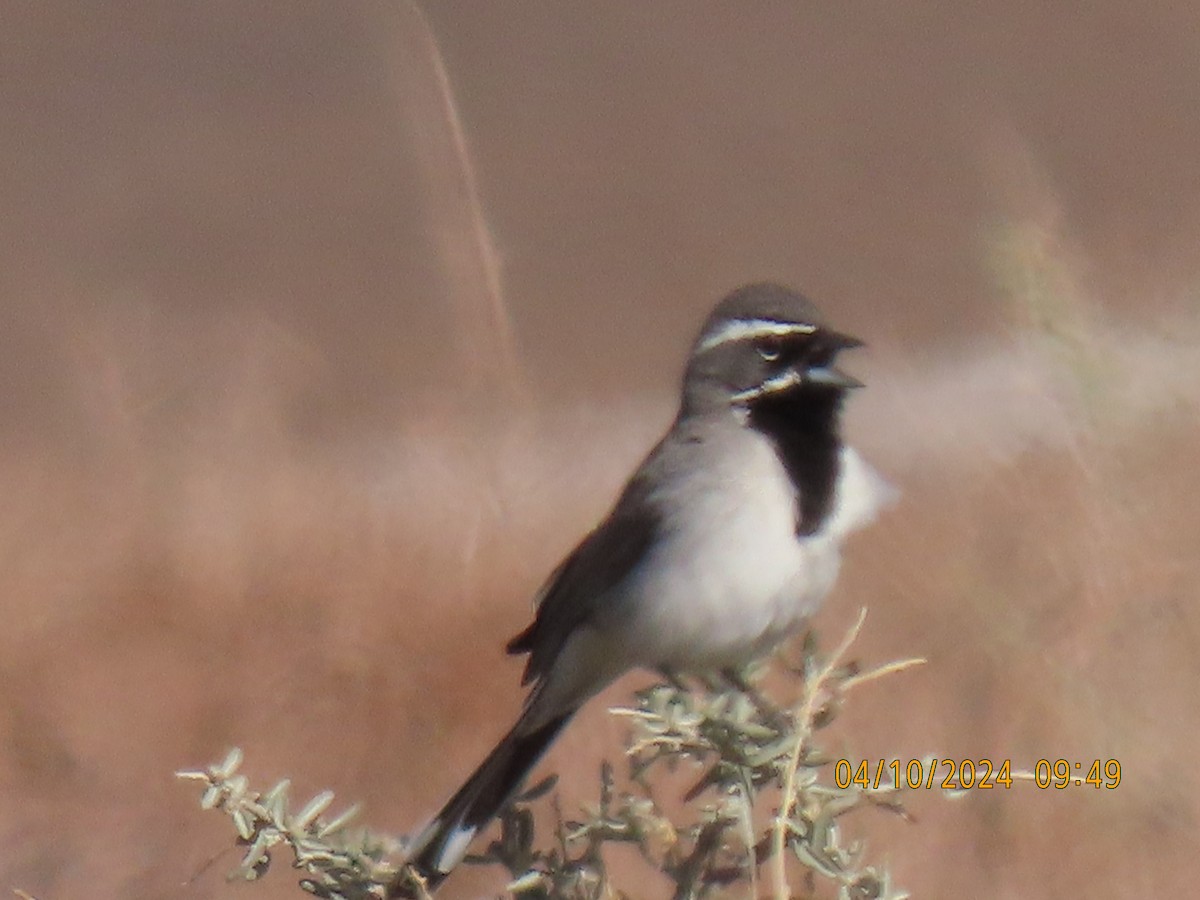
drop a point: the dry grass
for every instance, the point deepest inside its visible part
(343, 623)
(248, 499)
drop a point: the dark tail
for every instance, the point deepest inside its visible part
(444, 841)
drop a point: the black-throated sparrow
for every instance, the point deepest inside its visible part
(723, 542)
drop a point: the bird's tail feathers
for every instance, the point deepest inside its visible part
(443, 843)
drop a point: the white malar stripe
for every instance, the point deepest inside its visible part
(781, 382)
(742, 329)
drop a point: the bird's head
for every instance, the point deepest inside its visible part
(765, 343)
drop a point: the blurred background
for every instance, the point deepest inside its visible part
(326, 329)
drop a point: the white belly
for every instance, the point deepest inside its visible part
(733, 578)
(729, 577)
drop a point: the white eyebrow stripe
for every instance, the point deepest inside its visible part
(743, 329)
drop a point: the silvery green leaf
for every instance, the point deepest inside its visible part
(309, 851)
(242, 823)
(258, 850)
(339, 822)
(229, 764)
(311, 810)
(743, 708)
(237, 786)
(527, 882)
(841, 804)
(815, 760)
(719, 705)
(278, 790)
(807, 857)
(806, 779)
(276, 801)
(264, 863)
(821, 829)
(758, 732)
(212, 796)
(257, 810)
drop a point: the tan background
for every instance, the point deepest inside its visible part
(291, 428)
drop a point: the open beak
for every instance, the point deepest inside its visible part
(832, 376)
(829, 374)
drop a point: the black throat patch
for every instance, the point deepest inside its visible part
(803, 425)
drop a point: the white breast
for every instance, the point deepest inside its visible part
(731, 577)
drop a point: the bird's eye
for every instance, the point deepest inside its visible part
(768, 349)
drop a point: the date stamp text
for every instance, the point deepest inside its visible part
(974, 774)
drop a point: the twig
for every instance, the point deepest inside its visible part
(891, 668)
(803, 731)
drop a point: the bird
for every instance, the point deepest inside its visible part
(723, 542)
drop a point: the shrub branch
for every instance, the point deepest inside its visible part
(745, 750)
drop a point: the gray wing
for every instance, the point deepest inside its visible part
(573, 591)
